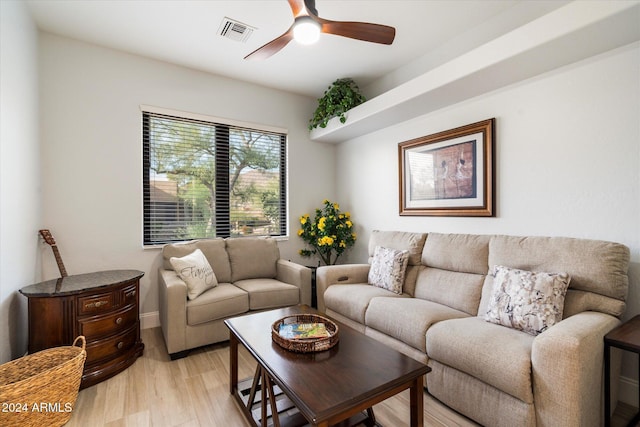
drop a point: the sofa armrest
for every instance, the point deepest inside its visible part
(339, 274)
(173, 310)
(297, 275)
(567, 364)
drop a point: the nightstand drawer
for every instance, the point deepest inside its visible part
(109, 324)
(129, 295)
(97, 303)
(112, 347)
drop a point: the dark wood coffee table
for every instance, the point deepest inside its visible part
(339, 385)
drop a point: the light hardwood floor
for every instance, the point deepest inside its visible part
(194, 391)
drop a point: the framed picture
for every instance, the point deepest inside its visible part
(449, 173)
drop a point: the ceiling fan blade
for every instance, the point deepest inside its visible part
(297, 6)
(374, 33)
(274, 46)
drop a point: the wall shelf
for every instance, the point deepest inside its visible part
(572, 33)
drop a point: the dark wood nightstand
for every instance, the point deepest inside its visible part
(102, 306)
(625, 337)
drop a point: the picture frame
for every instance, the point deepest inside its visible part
(450, 173)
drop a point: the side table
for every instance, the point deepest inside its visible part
(625, 337)
(103, 306)
(314, 295)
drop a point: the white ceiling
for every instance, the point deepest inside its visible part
(428, 33)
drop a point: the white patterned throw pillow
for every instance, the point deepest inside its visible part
(529, 301)
(387, 268)
(196, 272)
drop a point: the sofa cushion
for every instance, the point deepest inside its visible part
(578, 301)
(529, 301)
(608, 276)
(269, 293)
(195, 271)
(388, 268)
(217, 303)
(461, 291)
(454, 267)
(407, 319)
(466, 253)
(499, 356)
(352, 300)
(213, 249)
(252, 257)
(401, 240)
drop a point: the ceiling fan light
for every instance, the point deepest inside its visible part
(306, 30)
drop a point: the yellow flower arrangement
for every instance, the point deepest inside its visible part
(329, 234)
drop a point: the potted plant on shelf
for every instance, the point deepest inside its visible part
(329, 234)
(341, 96)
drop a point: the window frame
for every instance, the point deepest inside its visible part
(223, 216)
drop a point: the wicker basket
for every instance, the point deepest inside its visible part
(40, 389)
(306, 345)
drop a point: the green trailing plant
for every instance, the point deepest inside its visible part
(340, 97)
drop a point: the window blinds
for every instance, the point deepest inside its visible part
(204, 179)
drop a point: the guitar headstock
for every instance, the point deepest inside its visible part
(46, 235)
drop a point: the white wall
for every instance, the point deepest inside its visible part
(92, 144)
(567, 163)
(19, 173)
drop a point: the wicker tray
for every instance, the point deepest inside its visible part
(305, 345)
(40, 389)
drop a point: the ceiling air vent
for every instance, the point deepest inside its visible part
(235, 30)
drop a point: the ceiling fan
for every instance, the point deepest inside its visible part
(307, 27)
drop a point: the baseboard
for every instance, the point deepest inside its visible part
(152, 320)
(628, 392)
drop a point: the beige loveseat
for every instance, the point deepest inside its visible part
(250, 276)
(493, 374)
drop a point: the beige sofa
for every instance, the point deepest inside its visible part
(495, 375)
(250, 275)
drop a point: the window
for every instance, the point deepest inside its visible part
(203, 179)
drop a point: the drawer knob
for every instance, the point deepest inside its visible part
(131, 293)
(119, 321)
(95, 304)
(120, 345)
